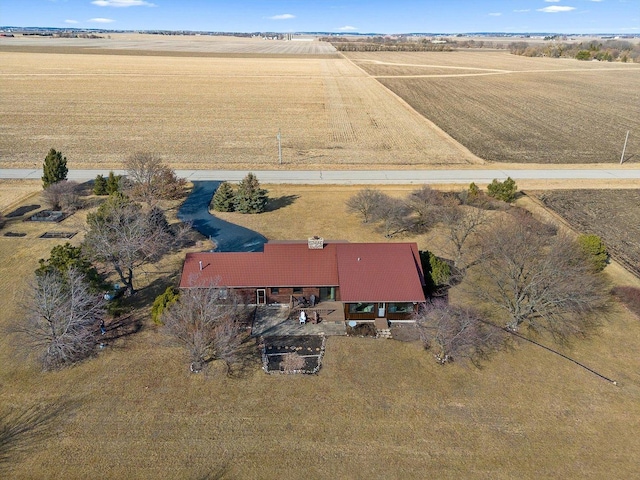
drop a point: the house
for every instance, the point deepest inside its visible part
(370, 280)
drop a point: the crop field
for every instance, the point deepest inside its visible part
(614, 215)
(378, 408)
(507, 108)
(208, 112)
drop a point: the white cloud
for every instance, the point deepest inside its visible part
(552, 1)
(101, 20)
(347, 28)
(122, 3)
(556, 9)
(496, 14)
(284, 16)
(523, 10)
(71, 21)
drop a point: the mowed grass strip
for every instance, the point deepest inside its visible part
(378, 409)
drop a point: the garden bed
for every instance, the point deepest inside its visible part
(15, 234)
(310, 347)
(48, 216)
(20, 211)
(58, 235)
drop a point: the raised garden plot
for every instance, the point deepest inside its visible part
(48, 216)
(58, 235)
(309, 347)
(18, 212)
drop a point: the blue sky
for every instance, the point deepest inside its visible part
(382, 16)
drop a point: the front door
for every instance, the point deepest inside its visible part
(261, 296)
(381, 310)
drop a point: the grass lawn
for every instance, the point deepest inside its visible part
(378, 408)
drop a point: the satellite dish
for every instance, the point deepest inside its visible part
(352, 323)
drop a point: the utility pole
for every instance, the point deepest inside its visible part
(624, 148)
(279, 147)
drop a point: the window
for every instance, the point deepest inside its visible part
(275, 290)
(361, 307)
(297, 290)
(400, 307)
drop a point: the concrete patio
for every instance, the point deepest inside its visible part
(276, 320)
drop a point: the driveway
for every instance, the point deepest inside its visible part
(228, 236)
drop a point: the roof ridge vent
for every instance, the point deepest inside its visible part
(315, 243)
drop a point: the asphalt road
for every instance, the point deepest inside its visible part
(370, 177)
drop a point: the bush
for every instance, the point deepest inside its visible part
(62, 195)
(437, 272)
(162, 301)
(505, 191)
(595, 250)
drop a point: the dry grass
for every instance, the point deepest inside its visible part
(12, 192)
(378, 409)
(208, 112)
(508, 108)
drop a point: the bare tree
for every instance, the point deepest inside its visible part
(456, 333)
(537, 278)
(393, 215)
(126, 236)
(364, 203)
(62, 317)
(426, 204)
(150, 179)
(462, 224)
(62, 195)
(206, 321)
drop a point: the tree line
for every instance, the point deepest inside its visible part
(608, 51)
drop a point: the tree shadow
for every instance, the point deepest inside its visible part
(277, 203)
(22, 430)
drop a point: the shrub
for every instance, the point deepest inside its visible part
(162, 301)
(505, 191)
(62, 195)
(595, 250)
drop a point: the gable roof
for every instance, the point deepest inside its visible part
(365, 272)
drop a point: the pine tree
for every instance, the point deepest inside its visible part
(223, 200)
(100, 185)
(113, 183)
(250, 198)
(54, 168)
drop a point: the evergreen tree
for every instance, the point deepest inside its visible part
(250, 198)
(505, 191)
(54, 168)
(100, 185)
(65, 257)
(595, 250)
(113, 183)
(223, 200)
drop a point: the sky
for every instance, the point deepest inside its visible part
(362, 16)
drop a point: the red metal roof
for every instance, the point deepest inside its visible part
(365, 272)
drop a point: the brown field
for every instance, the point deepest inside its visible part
(208, 112)
(378, 409)
(614, 215)
(507, 108)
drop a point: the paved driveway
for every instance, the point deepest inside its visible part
(228, 236)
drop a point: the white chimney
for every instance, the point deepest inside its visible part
(315, 243)
(200, 262)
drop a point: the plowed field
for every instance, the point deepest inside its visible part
(614, 215)
(208, 112)
(507, 108)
